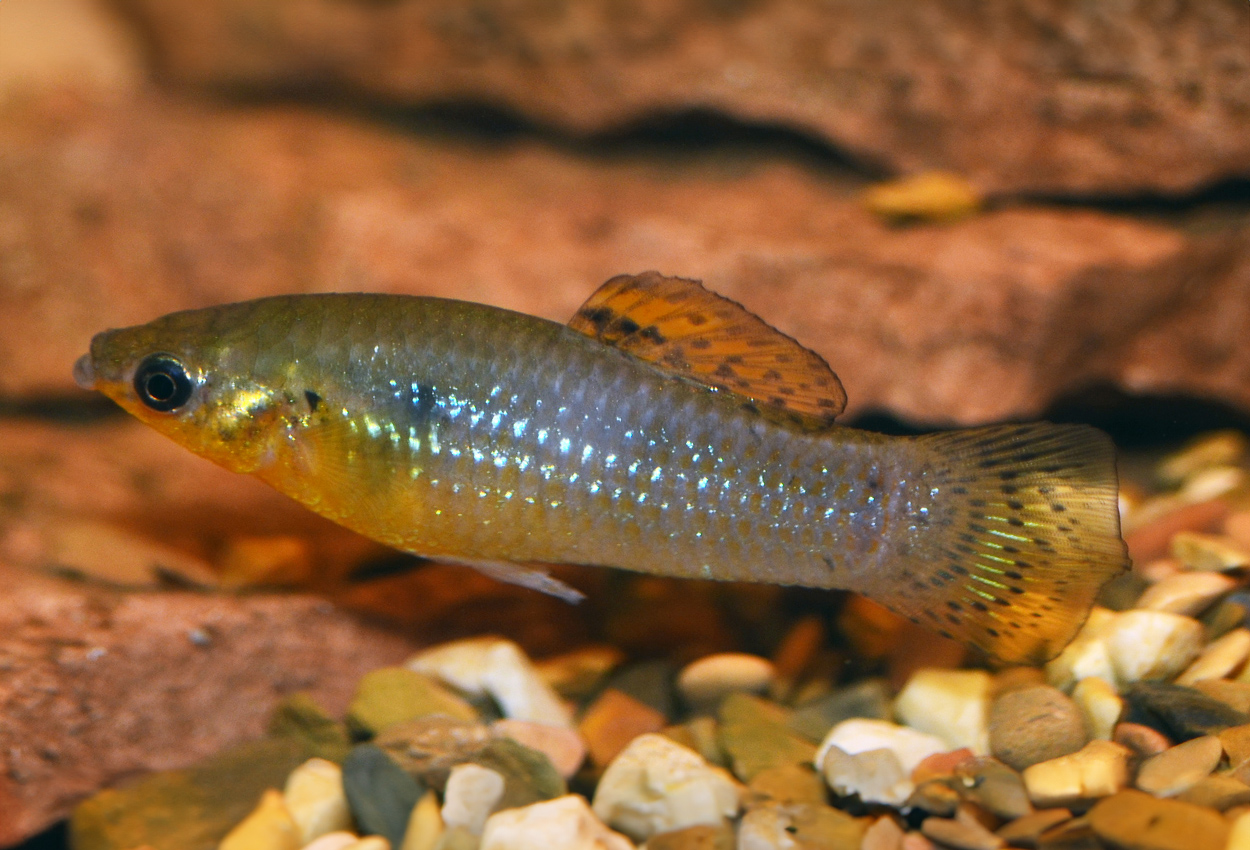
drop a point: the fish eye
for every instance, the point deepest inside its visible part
(162, 383)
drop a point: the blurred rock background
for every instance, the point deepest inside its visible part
(1089, 228)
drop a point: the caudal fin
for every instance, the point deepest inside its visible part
(1027, 531)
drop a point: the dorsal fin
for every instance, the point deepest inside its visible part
(682, 328)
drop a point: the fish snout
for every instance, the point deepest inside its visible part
(84, 372)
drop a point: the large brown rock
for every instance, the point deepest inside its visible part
(111, 215)
(1020, 96)
(98, 686)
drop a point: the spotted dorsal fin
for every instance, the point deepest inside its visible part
(682, 328)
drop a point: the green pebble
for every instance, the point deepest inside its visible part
(299, 717)
(190, 809)
(754, 733)
(392, 695)
(380, 793)
(529, 776)
(869, 698)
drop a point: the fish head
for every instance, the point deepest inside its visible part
(198, 378)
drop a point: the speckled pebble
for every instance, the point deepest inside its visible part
(1100, 706)
(1152, 644)
(1186, 593)
(268, 827)
(1179, 768)
(314, 797)
(1098, 769)
(471, 796)
(563, 746)
(498, 668)
(1218, 659)
(428, 747)
(950, 704)
(656, 785)
(705, 682)
(565, 823)
(1035, 724)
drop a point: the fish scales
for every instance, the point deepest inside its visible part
(664, 430)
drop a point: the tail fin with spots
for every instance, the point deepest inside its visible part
(1027, 532)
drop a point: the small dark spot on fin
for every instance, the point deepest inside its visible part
(314, 400)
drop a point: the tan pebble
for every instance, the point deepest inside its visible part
(564, 747)
(935, 797)
(1236, 742)
(1133, 819)
(1025, 831)
(962, 833)
(372, 842)
(1212, 483)
(789, 784)
(333, 841)
(576, 675)
(425, 824)
(884, 834)
(1217, 448)
(705, 682)
(797, 650)
(1176, 769)
(951, 704)
(701, 837)
(1214, 552)
(613, 720)
(916, 841)
(1098, 769)
(994, 787)
(928, 195)
(1219, 658)
(1086, 655)
(1149, 645)
(314, 797)
(941, 765)
(1237, 526)
(1143, 741)
(1217, 791)
(1187, 593)
(273, 561)
(1100, 705)
(1160, 519)
(1156, 571)
(268, 827)
(1239, 833)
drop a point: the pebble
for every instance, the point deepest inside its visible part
(267, 560)
(333, 841)
(649, 682)
(1186, 593)
(429, 747)
(392, 695)
(379, 792)
(578, 674)
(1217, 791)
(498, 668)
(1098, 769)
(1218, 448)
(701, 837)
(950, 704)
(471, 795)
(1237, 526)
(613, 720)
(884, 834)
(565, 823)
(1100, 706)
(1239, 834)
(1180, 767)
(787, 784)
(1219, 658)
(1087, 655)
(876, 776)
(1227, 614)
(1152, 644)
(1236, 742)
(1211, 484)
(564, 747)
(1026, 831)
(1213, 552)
(798, 649)
(314, 797)
(774, 827)
(656, 785)
(1137, 821)
(869, 698)
(425, 824)
(371, 842)
(269, 827)
(857, 736)
(1179, 712)
(1035, 724)
(529, 776)
(755, 735)
(994, 787)
(1143, 741)
(962, 832)
(702, 735)
(299, 718)
(707, 681)
(1236, 695)
(458, 838)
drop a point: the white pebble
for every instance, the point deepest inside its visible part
(951, 704)
(705, 682)
(1100, 705)
(877, 776)
(1152, 645)
(766, 828)
(498, 667)
(657, 785)
(1087, 655)
(1187, 593)
(314, 797)
(1212, 483)
(470, 797)
(565, 823)
(859, 735)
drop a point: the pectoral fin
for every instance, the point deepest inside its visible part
(525, 575)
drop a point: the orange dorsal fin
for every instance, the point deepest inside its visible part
(679, 327)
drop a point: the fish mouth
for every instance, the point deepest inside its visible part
(84, 372)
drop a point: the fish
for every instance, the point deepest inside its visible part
(665, 429)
